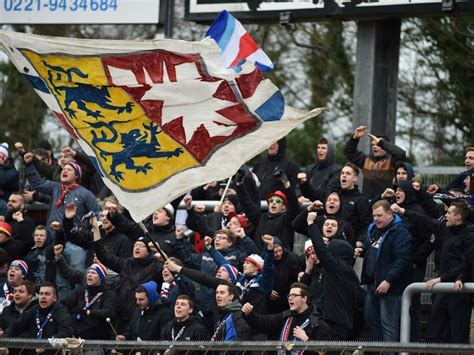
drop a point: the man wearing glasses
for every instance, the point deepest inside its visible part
(300, 323)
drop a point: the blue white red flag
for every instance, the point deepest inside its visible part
(236, 44)
(157, 118)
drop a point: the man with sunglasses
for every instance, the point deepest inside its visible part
(300, 323)
(282, 209)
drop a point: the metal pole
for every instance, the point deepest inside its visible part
(169, 19)
(376, 76)
(419, 287)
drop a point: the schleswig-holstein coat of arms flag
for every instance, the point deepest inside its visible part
(157, 118)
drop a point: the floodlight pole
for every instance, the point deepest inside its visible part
(376, 76)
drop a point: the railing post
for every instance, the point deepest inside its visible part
(418, 287)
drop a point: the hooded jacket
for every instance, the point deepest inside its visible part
(340, 282)
(392, 259)
(344, 229)
(147, 324)
(267, 165)
(41, 266)
(355, 210)
(286, 272)
(422, 246)
(378, 171)
(322, 175)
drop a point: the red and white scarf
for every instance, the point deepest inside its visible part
(65, 189)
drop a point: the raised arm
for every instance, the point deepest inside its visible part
(195, 275)
(111, 261)
(266, 282)
(350, 150)
(251, 210)
(74, 276)
(397, 153)
(35, 180)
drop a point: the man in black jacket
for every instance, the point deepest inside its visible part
(141, 267)
(185, 326)
(354, 206)
(92, 304)
(49, 319)
(275, 160)
(22, 224)
(149, 317)
(450, 314)
(286, 272)
(24, 297)
(40, 258)
(323, 174)
(340, 282)
(301, 322)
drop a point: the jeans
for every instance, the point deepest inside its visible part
(382, 316)
(76, 258)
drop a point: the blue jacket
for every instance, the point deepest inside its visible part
(82, 198)
(394, 256)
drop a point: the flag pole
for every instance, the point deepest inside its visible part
(225, 190)
(154, 242)
(176, 275)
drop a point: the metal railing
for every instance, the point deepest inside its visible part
(151, 347)
(419, 287)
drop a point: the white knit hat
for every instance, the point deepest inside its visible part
(4, 149)
(256, 260)
(170, 210)
(308, 246)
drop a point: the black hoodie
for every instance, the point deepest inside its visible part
(422, 245)
(340, 282)
(266, 167)
(322, 175)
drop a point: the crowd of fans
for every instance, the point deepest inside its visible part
(89, 271)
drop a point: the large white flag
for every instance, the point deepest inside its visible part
(157, 118)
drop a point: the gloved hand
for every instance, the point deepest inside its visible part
(241, 174)
(280, 175)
